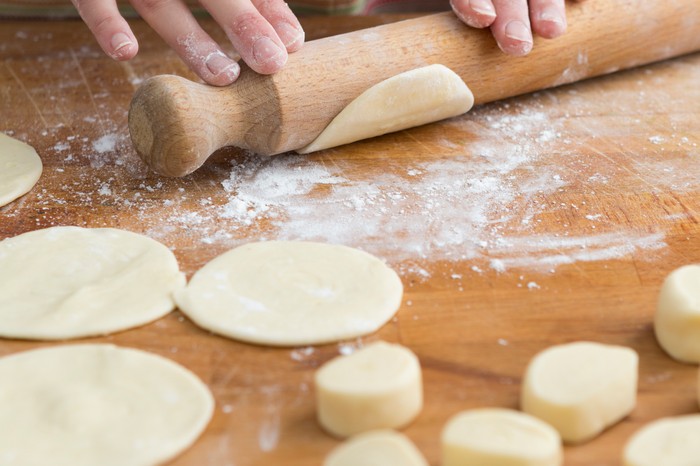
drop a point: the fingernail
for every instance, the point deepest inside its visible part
(551, 15)
(483, 7)
(289, 34)
(265, 51)
(517, 30)
(120, 43)
(218, 63)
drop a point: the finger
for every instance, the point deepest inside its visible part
(251, 35)
(512, 27)
(548, 17)
(283, 21)
(174, 22)
(475, 13)
(109, 28)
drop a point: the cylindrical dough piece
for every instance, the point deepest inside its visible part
(581, 388)
(89, 405)
(290, 293)
(677, 319)
(666, 442)
(71, 282)
(499, 437)
(377, 387)
(376, 448)
(20, 169)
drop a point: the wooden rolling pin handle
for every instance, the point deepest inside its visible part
(176, 124)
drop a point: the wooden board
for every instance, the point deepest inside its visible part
(543, 219)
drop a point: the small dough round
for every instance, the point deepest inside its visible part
(666, 442)
(377, 387)
(290, 293)
(677, 319)
(376, 448)
(20, 169)
(499, 437)
(71, 282)
(87, 405)
(581, 388)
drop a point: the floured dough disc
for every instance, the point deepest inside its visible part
(87, 405)
(409, 99)
(20, 169)
(376, 448)
(70, 282)
(671, 441)
(292, 293)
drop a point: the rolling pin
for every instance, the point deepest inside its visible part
(177, 124)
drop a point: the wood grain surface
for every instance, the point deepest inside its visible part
(543, 219)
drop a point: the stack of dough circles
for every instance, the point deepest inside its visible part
(87, 405)
(665, 442)
(71, 282)
(377, 387)
(581, 388)
(499, 437)
(20, 169)
(677, 319)
(376, 448)
(287, 293)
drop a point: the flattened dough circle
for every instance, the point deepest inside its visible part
(71, 282)
(86, 405)
(413, 98)
(20, 169)
(287, 293)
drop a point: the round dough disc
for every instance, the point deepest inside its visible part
(287, 293)
(20, 169)
(78, 405)
(671, 441)
(70, 282)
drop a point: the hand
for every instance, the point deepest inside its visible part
(261, 31)
(512, 22)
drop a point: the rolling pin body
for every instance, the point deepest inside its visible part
(176, 124)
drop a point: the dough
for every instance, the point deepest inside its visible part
(87, 405)
(20, 169)
(665, 442)
(70, 282)
(377, 387)
(499, 437)
(292, 293)
(581, 388)
(409, 99)
(376, 448)
(677, 320)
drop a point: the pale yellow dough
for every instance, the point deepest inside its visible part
(677, 319)
(581, 388)
(288, 293)
(20, 169)
(666, 442)
(377, 387)
(499, 437)
(376, 448)
(409, 99)
(70, 282)
(89, 405)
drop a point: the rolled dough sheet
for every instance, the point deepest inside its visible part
(20, 169)
(88, 405)
(287, 293)
(409, 99)
(70, 282)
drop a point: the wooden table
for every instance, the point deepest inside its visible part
(543, 219)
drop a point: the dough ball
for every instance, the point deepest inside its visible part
(70, 282)
(499, 437)
(665, 442)
(677, 320)
(377, 387)
(87, 405)
(292, 293)
(376, 448)
(581, 388)
(20, 169)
